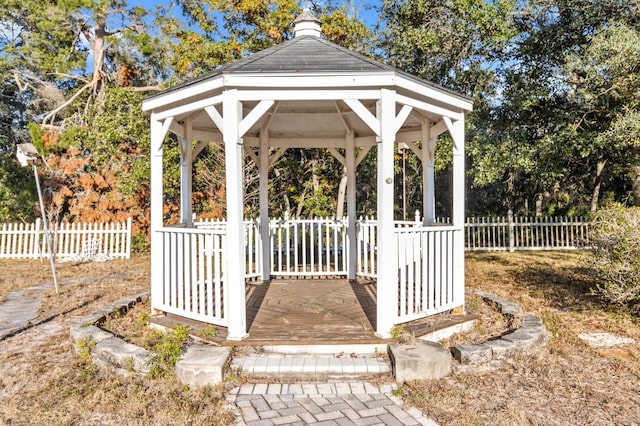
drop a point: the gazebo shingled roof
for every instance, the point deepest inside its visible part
(304, 54)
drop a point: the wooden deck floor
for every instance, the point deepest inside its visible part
(329, 311)
(312, 310)
(295, 312)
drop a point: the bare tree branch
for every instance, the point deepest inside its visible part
(155, 88)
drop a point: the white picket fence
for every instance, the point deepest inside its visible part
(513, 233)
(81, 241)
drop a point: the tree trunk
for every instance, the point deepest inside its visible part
(539, 201)
(98, 51)
(315, 179)
(597, 183)
(635, 186)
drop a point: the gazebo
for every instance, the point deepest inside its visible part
(306, 93)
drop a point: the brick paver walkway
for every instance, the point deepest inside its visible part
(354, 403)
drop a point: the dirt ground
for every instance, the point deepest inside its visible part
(43, 381)
(568, 382)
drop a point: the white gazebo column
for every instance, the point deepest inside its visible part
(387, 256)
(264, 205)
(428, 176)
(235, 308)
(350, 160)
(158, 133)
(186, 175)
(456, 129)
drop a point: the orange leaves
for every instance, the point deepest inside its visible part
(100, 182)
(68, 163)
(86, 181)
(50, 138)
(65, 192)
(275, 33)
(84, 192)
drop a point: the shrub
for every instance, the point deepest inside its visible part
(168, 351)
(615, 238)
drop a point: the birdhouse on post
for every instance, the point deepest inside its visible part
(26, 153)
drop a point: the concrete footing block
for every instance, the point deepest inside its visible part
(425, 360)
(124, 356)
(472, 354)
(89, 333)
(202, 365)
(501, 349)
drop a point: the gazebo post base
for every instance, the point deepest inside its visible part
(237, 338)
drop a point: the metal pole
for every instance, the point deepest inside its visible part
(46, 229)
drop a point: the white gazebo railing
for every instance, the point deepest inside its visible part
(427, 281)
(308, 247)
(194, 281)
(193, 277)
(366, 250)
(426, 275)
(252, 243)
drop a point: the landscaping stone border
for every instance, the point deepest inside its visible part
(196, 369)
(107, 349)
(527, 339)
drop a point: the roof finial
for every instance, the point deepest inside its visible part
(306, 24)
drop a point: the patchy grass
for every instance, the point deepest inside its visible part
(490, 324)
(44, 381)
(134, 327)
(567, 382)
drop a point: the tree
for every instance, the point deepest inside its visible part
(17, 189)
(460, 45)
(222, 32)
(80, 74)
(607, 78)
(63, 61)
(451, 43)
(547, 139)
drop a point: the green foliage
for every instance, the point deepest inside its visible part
(84, 347)
(208, 331)
(616, 255)
(142, 319)
(450, 43)
(18, 197)
(140, 243)
(168, 351)
(37, 133)
(551, 139)
(318, 204)
(399, 333)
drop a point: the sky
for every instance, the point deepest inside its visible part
(363, 8)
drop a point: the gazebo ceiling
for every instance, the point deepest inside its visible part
(314, 120)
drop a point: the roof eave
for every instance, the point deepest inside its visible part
(168, 96)
(309, 80)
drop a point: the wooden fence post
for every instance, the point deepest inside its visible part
(511, 231)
